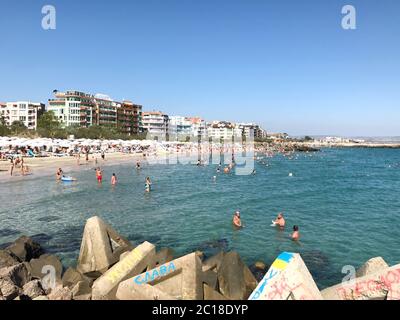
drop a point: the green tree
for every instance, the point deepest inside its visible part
(18, 127)
(308, 138)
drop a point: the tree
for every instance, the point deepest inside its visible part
(308, 138)
(18, 127)
(3, 121)
(48, 121)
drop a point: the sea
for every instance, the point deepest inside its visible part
(345, 201)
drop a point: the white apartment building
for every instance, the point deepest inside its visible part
(223, 130)
(251, 130)
(72, 108)
(179, 126)
(25, 111)
(199, 127)
(155, 123)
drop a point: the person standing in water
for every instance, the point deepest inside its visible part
(59, 174)
(12, 166)
(99, 175)
(148, 185)
(280, 221)
(114, 179)
(237, 222)
(137, 165)
(103, 155)
(296, 233)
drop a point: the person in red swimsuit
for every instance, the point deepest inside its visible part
(99, 175)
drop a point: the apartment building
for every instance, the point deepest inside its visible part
(199, 126)
(24, 111)
(223, 130)
(73, 108)
(155, 123)
(129, 118)
(180, 126)
(251, 130)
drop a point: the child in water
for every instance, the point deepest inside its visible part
(237, 222)
(114, 179)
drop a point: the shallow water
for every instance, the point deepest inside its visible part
(346, 202)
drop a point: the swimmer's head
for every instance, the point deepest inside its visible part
(280, 215)
(237, 213)
(295, 228)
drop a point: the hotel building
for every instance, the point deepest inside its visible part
(129, 118)
(155, 123)
(223, 130)
(24, 111)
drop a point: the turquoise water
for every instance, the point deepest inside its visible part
(346, 202)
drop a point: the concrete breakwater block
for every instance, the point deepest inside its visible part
(132, 263)
(180, 279)
(40, 267)
(287, 278)
(380, 285)
(101, 247)
(371, 266)
(236, 282)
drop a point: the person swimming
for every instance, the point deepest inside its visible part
(148, 184)
(280, 221)
(296, 233)
(237, 222)
(114, 179)
(137, 165)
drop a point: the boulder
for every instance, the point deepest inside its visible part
(60, 293)
(383, 284)
(72, 276)
(17, 274)
(287, 278)
(25, 249)
(82, 291)
(41, 266)
(8, 259)
(211, 294)
(258, 269)
(371, 266)
(234, 278)
(33, 289)
(8, 290)
(101, 247)
(139, 259)
(178, 279)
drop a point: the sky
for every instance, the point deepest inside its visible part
(287, 65)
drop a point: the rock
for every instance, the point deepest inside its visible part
(8, 259)
(72, 276)
(232, 278)
(41, 298)
(287, 278)
(41, 266)
(259, 269)
(178, 279)
(25, 249)
(17, 274)
(101, 247)
(8, 290)
(371, 266)
(60, 293)
(214, 262)
(33, 289)
(380, 285)
(82, 291)
(139, 259)
(211, 294)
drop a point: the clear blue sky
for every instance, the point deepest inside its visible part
(286, 64)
